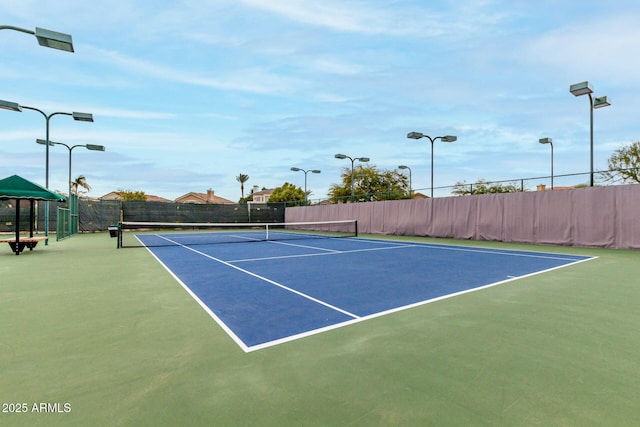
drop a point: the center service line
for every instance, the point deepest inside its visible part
(309, 297)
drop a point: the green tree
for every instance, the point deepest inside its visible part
(242, 178)
(287, 193)
(624, 164)
(482, 186)
(369, 184)
(79, 182)
(129, 195)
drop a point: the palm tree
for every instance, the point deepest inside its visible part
(242, 178)
(80, 181)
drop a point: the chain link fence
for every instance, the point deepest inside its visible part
(98, 215)
(557, 182)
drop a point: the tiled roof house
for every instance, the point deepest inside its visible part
(113, 195)
(208, 197)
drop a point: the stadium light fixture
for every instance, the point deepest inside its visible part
(305, 179)
(446, 138)
(46, 38)
(584, 88)
(550, 142)
(83, 117)
(600, 102)
(353, 159)
(11, 106)
(410, 188)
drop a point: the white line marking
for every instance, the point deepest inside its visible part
(508, 252)
(356, 319)
(309, 297)
(204, 306)
(297, 245)
(320, 254)
(406, 307)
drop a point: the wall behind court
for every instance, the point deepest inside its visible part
(595, 217)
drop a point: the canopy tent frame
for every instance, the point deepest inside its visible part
(18, 188)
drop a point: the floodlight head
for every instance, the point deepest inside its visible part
(545, 141)
(82, 117)
(363, 159)
(600, 102)
(415, 135)
(54, 39)
(11, 106)
(315, 171)
(581, 88)
(449, 138)
(403, 167)
(295, 169)
(44, 142)
(340, 156)
(94, 147)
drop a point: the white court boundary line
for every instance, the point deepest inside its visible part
(273, 282)
(357, 319)
(509, 252)
(329, 252)
(402, 245)
(405, 307)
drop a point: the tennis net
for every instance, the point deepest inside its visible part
(152, 234)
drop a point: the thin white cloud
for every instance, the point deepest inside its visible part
(336, 66)
(602, 47)
(357, 17)
(131, 114)
(251, 79)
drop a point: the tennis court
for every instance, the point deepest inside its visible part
(113, 335)
(269, 291)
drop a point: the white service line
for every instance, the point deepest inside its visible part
(257, 276)
(333, 252)
(507, 252)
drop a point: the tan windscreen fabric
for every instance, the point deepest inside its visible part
(597, 216)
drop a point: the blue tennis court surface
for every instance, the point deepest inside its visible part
(269, 292)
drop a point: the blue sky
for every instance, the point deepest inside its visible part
(188, 94)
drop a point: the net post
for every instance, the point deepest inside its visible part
(356, 224)
(266, 232)
(121, 220)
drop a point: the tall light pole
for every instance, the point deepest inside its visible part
(353, 159)
(550, 142)
(410, 187)
(446, 138)
(82, 117)
(92, 147)
(305, 179)
(584, 88)
(46, 38)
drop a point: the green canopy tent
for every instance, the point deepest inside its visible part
(18, 188)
